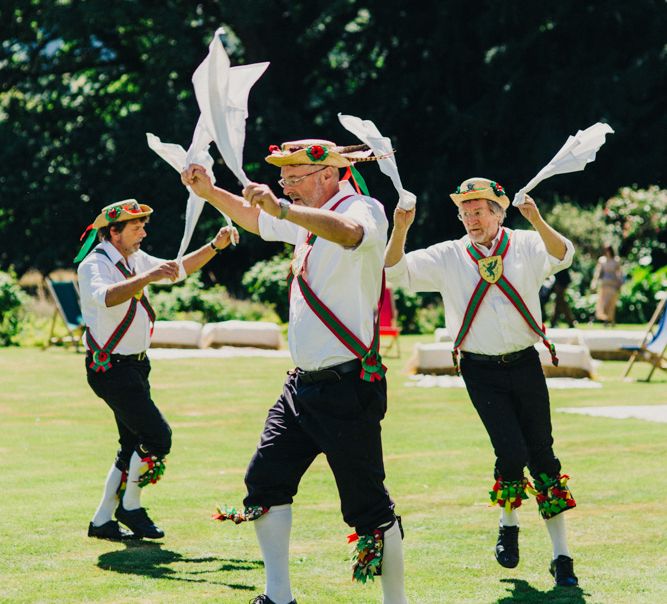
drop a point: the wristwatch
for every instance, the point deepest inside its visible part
(217, 250)
(284, 208)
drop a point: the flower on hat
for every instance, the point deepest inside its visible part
(497, 189)
(113, 213)
(317, 152)
(274, 149)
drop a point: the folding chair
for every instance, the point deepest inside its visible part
(653, 346)
(388, 324)
(65, 294)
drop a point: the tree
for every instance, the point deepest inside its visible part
(462, 89)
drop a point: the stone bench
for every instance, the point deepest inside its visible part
(606, 344)
(176, 334)
(258, 334)
(575, 360)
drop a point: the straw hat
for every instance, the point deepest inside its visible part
(314, 151)
(128, 209)
(480, 188)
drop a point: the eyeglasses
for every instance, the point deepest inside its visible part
(468, 216)
(295, 180)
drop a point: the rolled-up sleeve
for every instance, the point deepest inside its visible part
(273, 229)
(554, 264)
(420, 271)
(372, 221)
(566, 262)
(94, 282)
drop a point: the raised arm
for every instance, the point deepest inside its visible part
(122, 292)
(195, 260)
(553, 240)
(234, 206)
(328, 225)
(403, 219)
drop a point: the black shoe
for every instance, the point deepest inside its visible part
(507, 546)
(562, 569)
(111, 531)
(264, 599)
(139, 522)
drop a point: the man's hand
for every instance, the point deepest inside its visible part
(195, 177)
(403, 219)
(529, 210)
(225, 236)
(166, 270)
(261, 196)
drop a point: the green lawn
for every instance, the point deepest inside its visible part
(58, 442)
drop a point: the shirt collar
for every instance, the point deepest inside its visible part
(115, 255)
(493, 243)
(345, 189)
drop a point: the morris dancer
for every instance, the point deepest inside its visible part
(489, 281)
(119, 322)
(335, 399)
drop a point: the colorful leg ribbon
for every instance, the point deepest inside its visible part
(237, 516)
(553, 495)
(367, 555)
(155, 467)
(123, 485)
(509, 494)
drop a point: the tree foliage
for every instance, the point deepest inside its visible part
(461, 88)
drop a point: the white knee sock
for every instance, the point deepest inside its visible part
(509, 518)
(109, 500)
(132, 496)
(273, 533)
(393, 581)
(558, 534)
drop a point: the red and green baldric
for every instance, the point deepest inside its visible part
(102, 354)
(491, 272)
(372, 368)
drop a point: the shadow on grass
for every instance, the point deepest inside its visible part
(522, 591)
(150, 560)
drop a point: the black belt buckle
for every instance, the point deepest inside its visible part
(509, 357)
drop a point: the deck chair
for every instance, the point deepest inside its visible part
(653, 346)
(388, 323)
(66, 296)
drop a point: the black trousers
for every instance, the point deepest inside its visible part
(512, 401)
(341, 420)
(141, 426)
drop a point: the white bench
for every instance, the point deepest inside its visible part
(607, 343)
(258, 334)
(176, 334)
(574, 360)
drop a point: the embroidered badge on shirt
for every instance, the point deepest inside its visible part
(491, 268)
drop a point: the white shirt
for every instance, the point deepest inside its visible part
(498, 328)
(347, 281)
(96, 274)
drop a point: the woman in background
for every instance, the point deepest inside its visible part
(607, 279)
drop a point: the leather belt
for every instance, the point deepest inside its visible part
(139, 356)
(507, 358)
(329, 374)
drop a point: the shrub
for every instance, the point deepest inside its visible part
(637, 300)
(638, 218)
(12, 300)
(189, 300)
(418, 313)
(266, 282)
